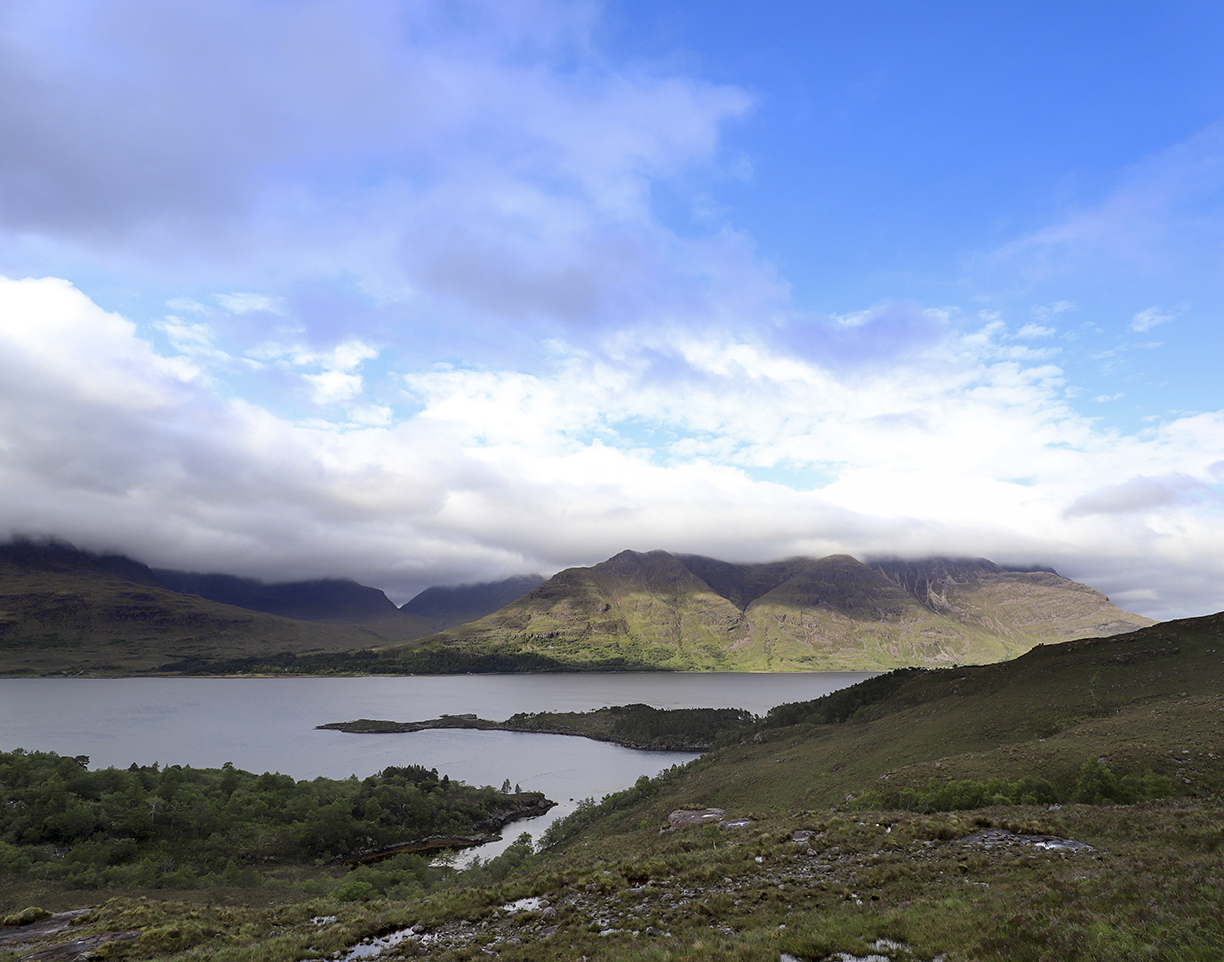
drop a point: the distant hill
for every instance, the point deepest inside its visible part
(326, 599)
(60, 557)
(66, 609)
(63, 610)
(445, 607)
(690, 612)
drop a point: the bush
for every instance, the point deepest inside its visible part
(354, 890)
(1097, 785)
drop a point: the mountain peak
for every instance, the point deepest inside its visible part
(657, 609)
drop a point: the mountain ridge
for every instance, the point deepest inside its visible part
(681, 611)
(65, 609)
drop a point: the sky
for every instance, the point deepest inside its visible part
(437, 292)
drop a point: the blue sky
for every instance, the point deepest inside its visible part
(435, 292)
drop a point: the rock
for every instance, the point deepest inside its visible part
(704, 816)
(992, 837)
(82, 948)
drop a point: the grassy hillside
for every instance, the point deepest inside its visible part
(658, 610)
(1065, 805)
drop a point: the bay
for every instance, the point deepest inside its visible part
(268, 724)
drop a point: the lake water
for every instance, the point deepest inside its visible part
(268, 724)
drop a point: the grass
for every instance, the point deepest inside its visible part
(1149, 889)
(868, 878)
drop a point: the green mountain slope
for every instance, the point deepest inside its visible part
(875, 821)
(693, 613)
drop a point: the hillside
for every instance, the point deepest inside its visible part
(338, 600)
(686, 612)
(65, 610)
(62, 609)
(1063, 805)
(445, 607)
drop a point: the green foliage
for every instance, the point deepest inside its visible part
(26, 916)
(186, 828)
(840, 706)
(519, 858)
(641, 725)
(354, 890)
(1097, 785)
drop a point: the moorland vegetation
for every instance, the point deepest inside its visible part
(1065, 805)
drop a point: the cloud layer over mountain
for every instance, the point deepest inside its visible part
(438, 292)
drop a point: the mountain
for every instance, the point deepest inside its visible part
(1015, 604)
(326, 599)
(67, 610)
(660, 610)
(445, 607)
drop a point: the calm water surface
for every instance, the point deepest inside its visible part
(268, 724)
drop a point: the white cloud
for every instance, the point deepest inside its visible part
(1152, 317)
(246, 303)
(1139, 493)
(420, 148)
(953, 449)
(187, 304)
(1035, 330)
(1044, 312)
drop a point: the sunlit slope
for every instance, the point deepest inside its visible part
(1144, 701)
(693, 613)
(634, 609)
(1022, 608)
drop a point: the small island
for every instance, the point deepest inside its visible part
(630, 726)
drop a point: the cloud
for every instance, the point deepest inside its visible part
(879, 334)
(1159, 225)
(1139, 493)
(1151, 317)
(953, 447)
(1046, 311)
(428, 322)
(487, 166)
(1035, 330)
(246, 303)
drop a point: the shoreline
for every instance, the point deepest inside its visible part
(374, 726)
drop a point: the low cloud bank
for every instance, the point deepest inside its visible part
(958, 447)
